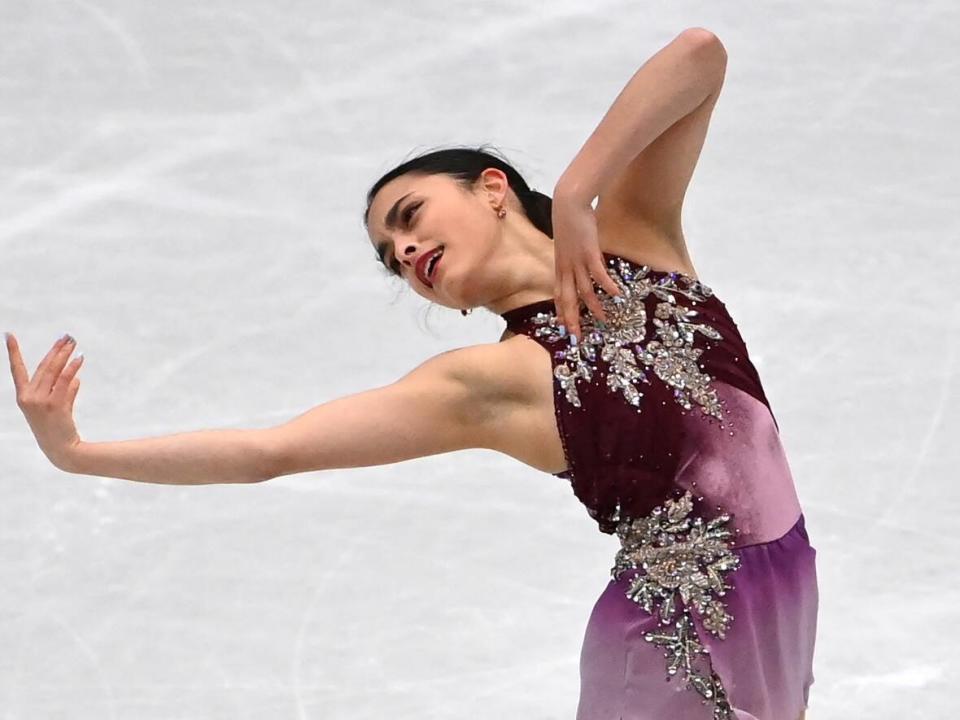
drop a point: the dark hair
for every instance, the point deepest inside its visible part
(465, 164)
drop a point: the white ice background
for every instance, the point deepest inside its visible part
(181, 188)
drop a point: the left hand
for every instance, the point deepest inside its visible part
(47, 398)
(577, 257)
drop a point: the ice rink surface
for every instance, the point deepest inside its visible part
(182, 186)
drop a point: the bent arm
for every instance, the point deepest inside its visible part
(670, 85)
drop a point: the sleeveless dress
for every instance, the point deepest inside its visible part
(670, 442)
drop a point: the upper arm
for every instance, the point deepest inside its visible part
(652, 186)
(447, 403)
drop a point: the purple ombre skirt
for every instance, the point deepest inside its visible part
(764, 661)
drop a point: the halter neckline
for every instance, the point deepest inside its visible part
(516, 314)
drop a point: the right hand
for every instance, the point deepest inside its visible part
(577, 257)
(47, 398)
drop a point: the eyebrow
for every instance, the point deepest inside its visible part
(391, 223)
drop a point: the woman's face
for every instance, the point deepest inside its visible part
(415, 214)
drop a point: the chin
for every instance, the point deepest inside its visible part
(461, 291)
(453, 292)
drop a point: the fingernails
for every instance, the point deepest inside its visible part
(563, 330)
(573, 339)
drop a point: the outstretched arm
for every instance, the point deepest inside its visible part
(440, 406)
(447, 403)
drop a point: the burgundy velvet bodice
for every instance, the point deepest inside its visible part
(660, 399)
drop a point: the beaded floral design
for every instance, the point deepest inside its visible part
(622, 342)
(680, 554)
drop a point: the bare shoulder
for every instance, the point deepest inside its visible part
(499, 373)
(511, 386)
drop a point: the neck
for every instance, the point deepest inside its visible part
(527, 262)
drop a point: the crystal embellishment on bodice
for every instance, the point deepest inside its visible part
(622, 342)
(681, 554)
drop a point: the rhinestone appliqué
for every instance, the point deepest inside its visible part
(620, 342)
(681, 554)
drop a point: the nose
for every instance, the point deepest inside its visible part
(408, 252)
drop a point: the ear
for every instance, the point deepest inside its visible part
(493, 181)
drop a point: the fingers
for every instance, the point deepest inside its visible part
(17, 368)
(53, 365)
(72, 392)
(600, 271)
(64, 382)
(576, 283)
(590, 299)
(47, 371)
(44, 363)
(568, 304)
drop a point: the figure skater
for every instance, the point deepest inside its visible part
(619, 371)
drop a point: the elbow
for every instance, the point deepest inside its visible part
(707, 52)
(705, 46)
(701, 38)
